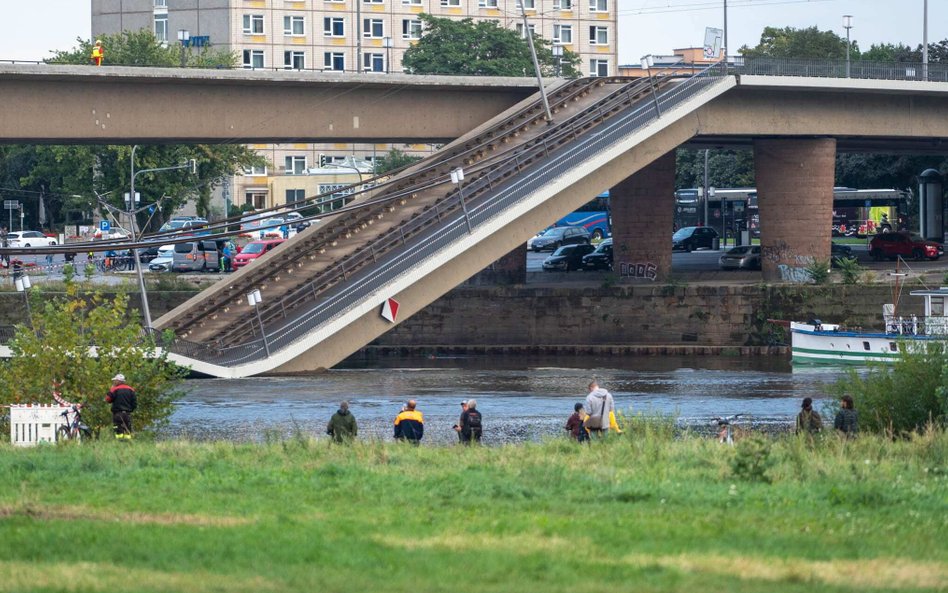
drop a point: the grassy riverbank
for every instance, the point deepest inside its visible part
(646, 514)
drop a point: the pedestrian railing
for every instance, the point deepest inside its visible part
(932, 72)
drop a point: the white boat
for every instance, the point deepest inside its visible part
(826, 343)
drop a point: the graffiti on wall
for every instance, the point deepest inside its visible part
(641, 271)
(791, 266)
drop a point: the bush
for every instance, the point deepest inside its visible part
(819, 271)
(905, 397)
(850, 269)
(752, 459)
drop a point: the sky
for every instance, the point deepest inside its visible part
(33, 28)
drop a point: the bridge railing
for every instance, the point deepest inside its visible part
(862, 69)
(487, 196)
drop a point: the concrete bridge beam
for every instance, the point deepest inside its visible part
(795, 181)
(642, 218)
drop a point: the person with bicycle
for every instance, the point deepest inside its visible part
(598, 408)
(124, 401)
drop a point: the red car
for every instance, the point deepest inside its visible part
(253, 250)
(907, 245)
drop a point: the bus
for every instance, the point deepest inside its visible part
(595, 216)
(856, 212)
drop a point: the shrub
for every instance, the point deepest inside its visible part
(819, 271)
(850, 269)
(752, 459)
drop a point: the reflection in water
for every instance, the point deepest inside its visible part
(521, 398)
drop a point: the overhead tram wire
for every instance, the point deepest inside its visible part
(712, 5)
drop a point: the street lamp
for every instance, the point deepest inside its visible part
(23, 284)
(254, 298)
(558, 56)
(457, 176)
(925, 40)
(184, 36)
(847, 24)
(647, 62)
(387, 44)
(536, 63)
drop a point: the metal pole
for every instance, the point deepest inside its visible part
(651, 84)
(925, 40)
(146, 311)
(706, 186)
(536, 63)
(358, 32)
(724, 49)
(266, 344)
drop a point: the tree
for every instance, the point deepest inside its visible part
(726, 168)
(141, 48)
(483, 48)
(799, 43)
(394, 159)
(54, 346)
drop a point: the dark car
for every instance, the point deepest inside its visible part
(906, 245)
(601, 258)
(694, 237)
(567, 257)
(839, 252)
(744, 257)
(556, 237)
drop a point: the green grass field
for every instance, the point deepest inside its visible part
(651, 513)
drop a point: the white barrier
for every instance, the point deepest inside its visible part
(31, 424)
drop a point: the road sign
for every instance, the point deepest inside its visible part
(104, 225)
(11, 205)
(390, 310)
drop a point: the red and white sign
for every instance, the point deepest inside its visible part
(390, 310)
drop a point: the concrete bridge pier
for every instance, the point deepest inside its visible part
(795, 179)
(642, 218)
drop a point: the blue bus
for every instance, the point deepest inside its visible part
(595, 216)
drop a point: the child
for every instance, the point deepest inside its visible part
(575, 424)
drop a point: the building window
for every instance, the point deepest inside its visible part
(562, 4)
(563, 34)
(451, 3)
(373, 62)
(294, 25)
(253, 24)
(487, 3)
(161, 27)
(334, 60)
(411, 2)
(411, 29)
(938, 306)
(598, 36)
(334, 27)
(327, 160)
(253, 58)
(161, 3)
(295, 195)
(373, 28)
(294, 60)
(598, 5)
(255, 171)
(529, 4)
(256, 199)
(295, 165)
(599, 67)
(373, 1)
(532, 28)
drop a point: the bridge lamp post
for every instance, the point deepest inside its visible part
(23, 285)
(536, 63)
(647, 63)
(457, 176)
(254, 298)
(387, 44)
(847, 24)
(558, 57)
(184, 36)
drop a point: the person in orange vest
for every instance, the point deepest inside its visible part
(98, 52)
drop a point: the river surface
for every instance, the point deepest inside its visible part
(521, 398)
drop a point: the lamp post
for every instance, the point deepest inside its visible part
(536, 63)
(847, 24)
(558, 57)
(23, 284)
(254, 298)
(457, 176)
(184, 36)
(387, 44)
(925, 40)
(132, 211)
(647, 63)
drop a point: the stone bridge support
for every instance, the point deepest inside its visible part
(642, 217)
(795, 181)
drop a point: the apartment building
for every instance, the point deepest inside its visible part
(367, 36)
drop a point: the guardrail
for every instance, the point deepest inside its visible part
(861, 69)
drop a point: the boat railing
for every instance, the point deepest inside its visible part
(913, 325)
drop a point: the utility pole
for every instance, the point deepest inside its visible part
(536, 63)
(358, 32)
(925, 40)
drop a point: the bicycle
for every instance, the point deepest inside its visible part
(72, 427)
(727, 432)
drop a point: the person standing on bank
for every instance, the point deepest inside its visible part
(574, 425)
(471, 423)
(457, 427)
(342, 426)
(410, 424)
(808, 420)
(847, 422)
(124, 401)
(599, 404)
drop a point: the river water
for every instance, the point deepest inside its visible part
(521, 398)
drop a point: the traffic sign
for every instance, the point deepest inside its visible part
(11, 205)
(104, 225)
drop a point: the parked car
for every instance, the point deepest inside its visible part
(690, 238)
(29, 239)
(556, 237)
(253, 250)
(838, 252)
(181, 223)
(196, 256)
(567, 258)
(163, 260)
(601, 258)
(743, 257)
(906, 245)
